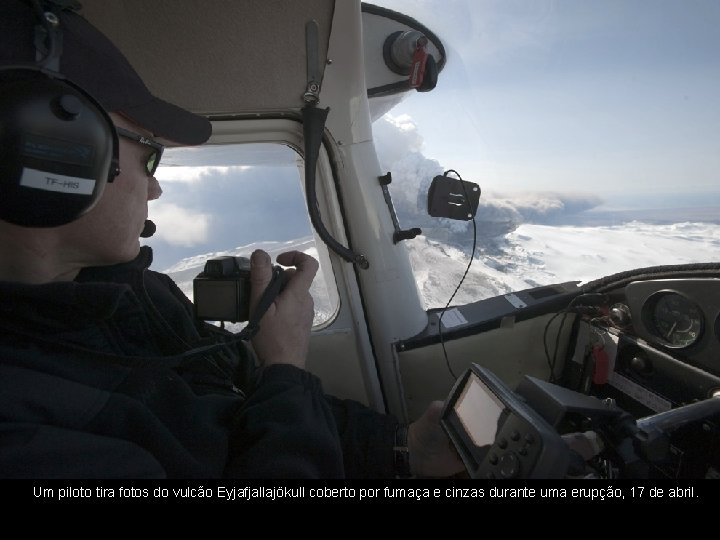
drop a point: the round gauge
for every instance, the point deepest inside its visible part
(676, 320)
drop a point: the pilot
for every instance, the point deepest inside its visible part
(104, 371)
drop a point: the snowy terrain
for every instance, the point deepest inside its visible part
(534, 255)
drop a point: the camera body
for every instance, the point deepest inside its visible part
(221, 292)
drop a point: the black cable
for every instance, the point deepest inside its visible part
(557, 347)
(313, 128)
(551, 363)
(565, 312)
(472, 256)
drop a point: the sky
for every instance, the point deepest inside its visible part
(218, 197)
(620, 98)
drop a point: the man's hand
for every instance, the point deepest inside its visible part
(284, 335)
(431, 452)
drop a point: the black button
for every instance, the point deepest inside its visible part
(70, 106)
(502, 443)
(515, 436)
(493, 459)
(509, 465)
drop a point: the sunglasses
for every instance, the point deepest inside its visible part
(153, 159)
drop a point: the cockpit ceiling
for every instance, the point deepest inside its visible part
(217, 57)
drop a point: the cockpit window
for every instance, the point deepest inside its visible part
(230, 200)
(591, 128)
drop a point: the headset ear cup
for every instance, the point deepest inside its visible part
(58, 149)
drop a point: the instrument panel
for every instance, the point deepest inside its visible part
(679, 316)
(657, 350)
(660, 351)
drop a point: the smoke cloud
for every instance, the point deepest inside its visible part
(400, 151)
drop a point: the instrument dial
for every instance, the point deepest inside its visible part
(675, 319)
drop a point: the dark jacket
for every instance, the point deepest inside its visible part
(110, 376)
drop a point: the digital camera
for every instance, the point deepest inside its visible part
(221, 292)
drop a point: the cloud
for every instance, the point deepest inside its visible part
(179, 226)
(540, 207)
(399, 146)
(397, 136)
(193, 174)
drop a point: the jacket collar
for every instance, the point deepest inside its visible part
(96, 293)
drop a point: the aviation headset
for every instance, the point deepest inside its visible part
(58, 146)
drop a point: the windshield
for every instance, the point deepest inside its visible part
(592, 128)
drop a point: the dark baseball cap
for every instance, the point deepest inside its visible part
(91, 61)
